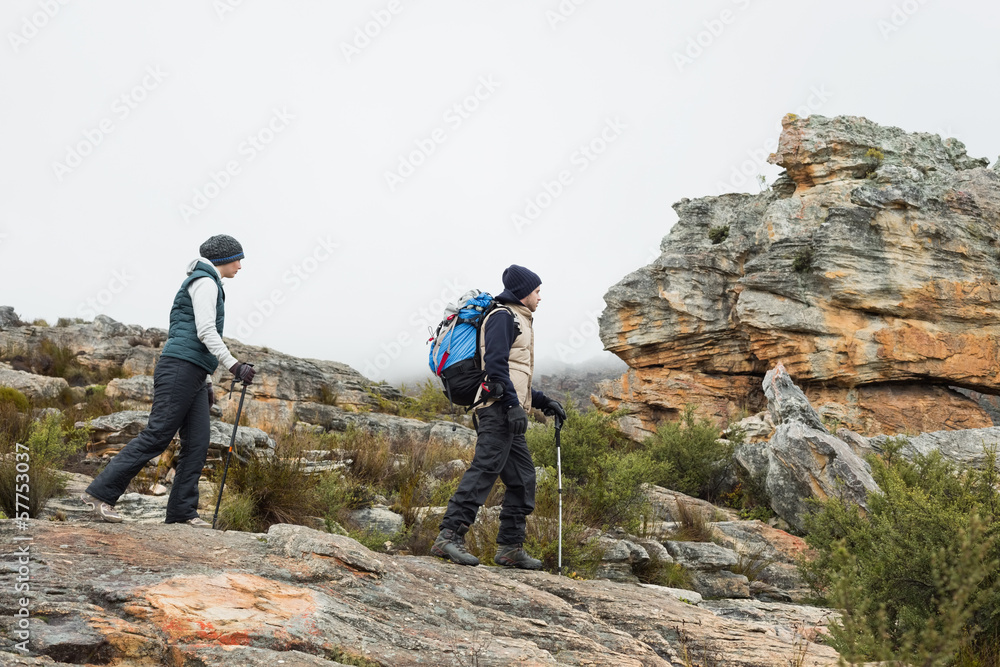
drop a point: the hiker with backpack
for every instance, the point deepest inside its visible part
(505, 350)
(182, 396)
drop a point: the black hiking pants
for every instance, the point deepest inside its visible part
(501, 454)
(180, 402)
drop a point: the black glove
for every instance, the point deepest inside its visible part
(211, 396)
(517, 420)
(243, 372)
(553, 408)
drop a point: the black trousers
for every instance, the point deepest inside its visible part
(501, 454)
(180, 402)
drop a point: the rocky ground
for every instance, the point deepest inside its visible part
(152, 594)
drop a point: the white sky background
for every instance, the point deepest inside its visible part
(108, 236)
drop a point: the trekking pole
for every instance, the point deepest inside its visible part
(232, 443)
(559, 469)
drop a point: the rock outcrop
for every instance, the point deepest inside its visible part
(30, 384)
(152, 594)
(869, 269)
(286, 390)
(282, 381)
(802, 460)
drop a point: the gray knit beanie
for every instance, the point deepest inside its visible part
(221, 249)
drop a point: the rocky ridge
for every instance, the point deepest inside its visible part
(288, 391)
(868, 269)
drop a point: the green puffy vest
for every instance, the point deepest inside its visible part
(182, 337)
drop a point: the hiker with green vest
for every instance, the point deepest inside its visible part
(507, 349)
(182, 395)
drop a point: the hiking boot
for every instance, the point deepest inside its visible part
(101, 510)
(514, 555)
(450, 544)
(198, 522)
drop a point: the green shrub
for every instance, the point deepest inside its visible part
(585, 437)
(276, 490)
(426, 402)
(40, 459)
(875, 158)
(581, 551)
(613, 493)
(16, 399)
(695, 461)
(718, 234)
(602, 469)
(916, 577)
(663, 573)
(802, 260)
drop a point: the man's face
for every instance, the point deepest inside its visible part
(533, 299)
(229, 270)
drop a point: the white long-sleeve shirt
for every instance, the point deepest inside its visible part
(204, 295)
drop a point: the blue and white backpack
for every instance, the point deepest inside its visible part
(454, 355)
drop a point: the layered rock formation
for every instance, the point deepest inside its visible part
(869, 270)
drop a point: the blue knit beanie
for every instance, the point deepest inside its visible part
(221, 249)
(520, 281)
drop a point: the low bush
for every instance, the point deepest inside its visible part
(693, 525)
(916, 576)
(15, 418)
(269, 491)
(32, 468)
(663, 573)
(694, 460)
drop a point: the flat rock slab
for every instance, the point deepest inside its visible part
(169, 594)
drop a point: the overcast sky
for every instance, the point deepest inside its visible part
(378, 158)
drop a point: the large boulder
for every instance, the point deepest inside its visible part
(31, 385)
(802, 460)
(869, 270)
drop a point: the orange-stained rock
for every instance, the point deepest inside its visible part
(869, 270)
(228, 608)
